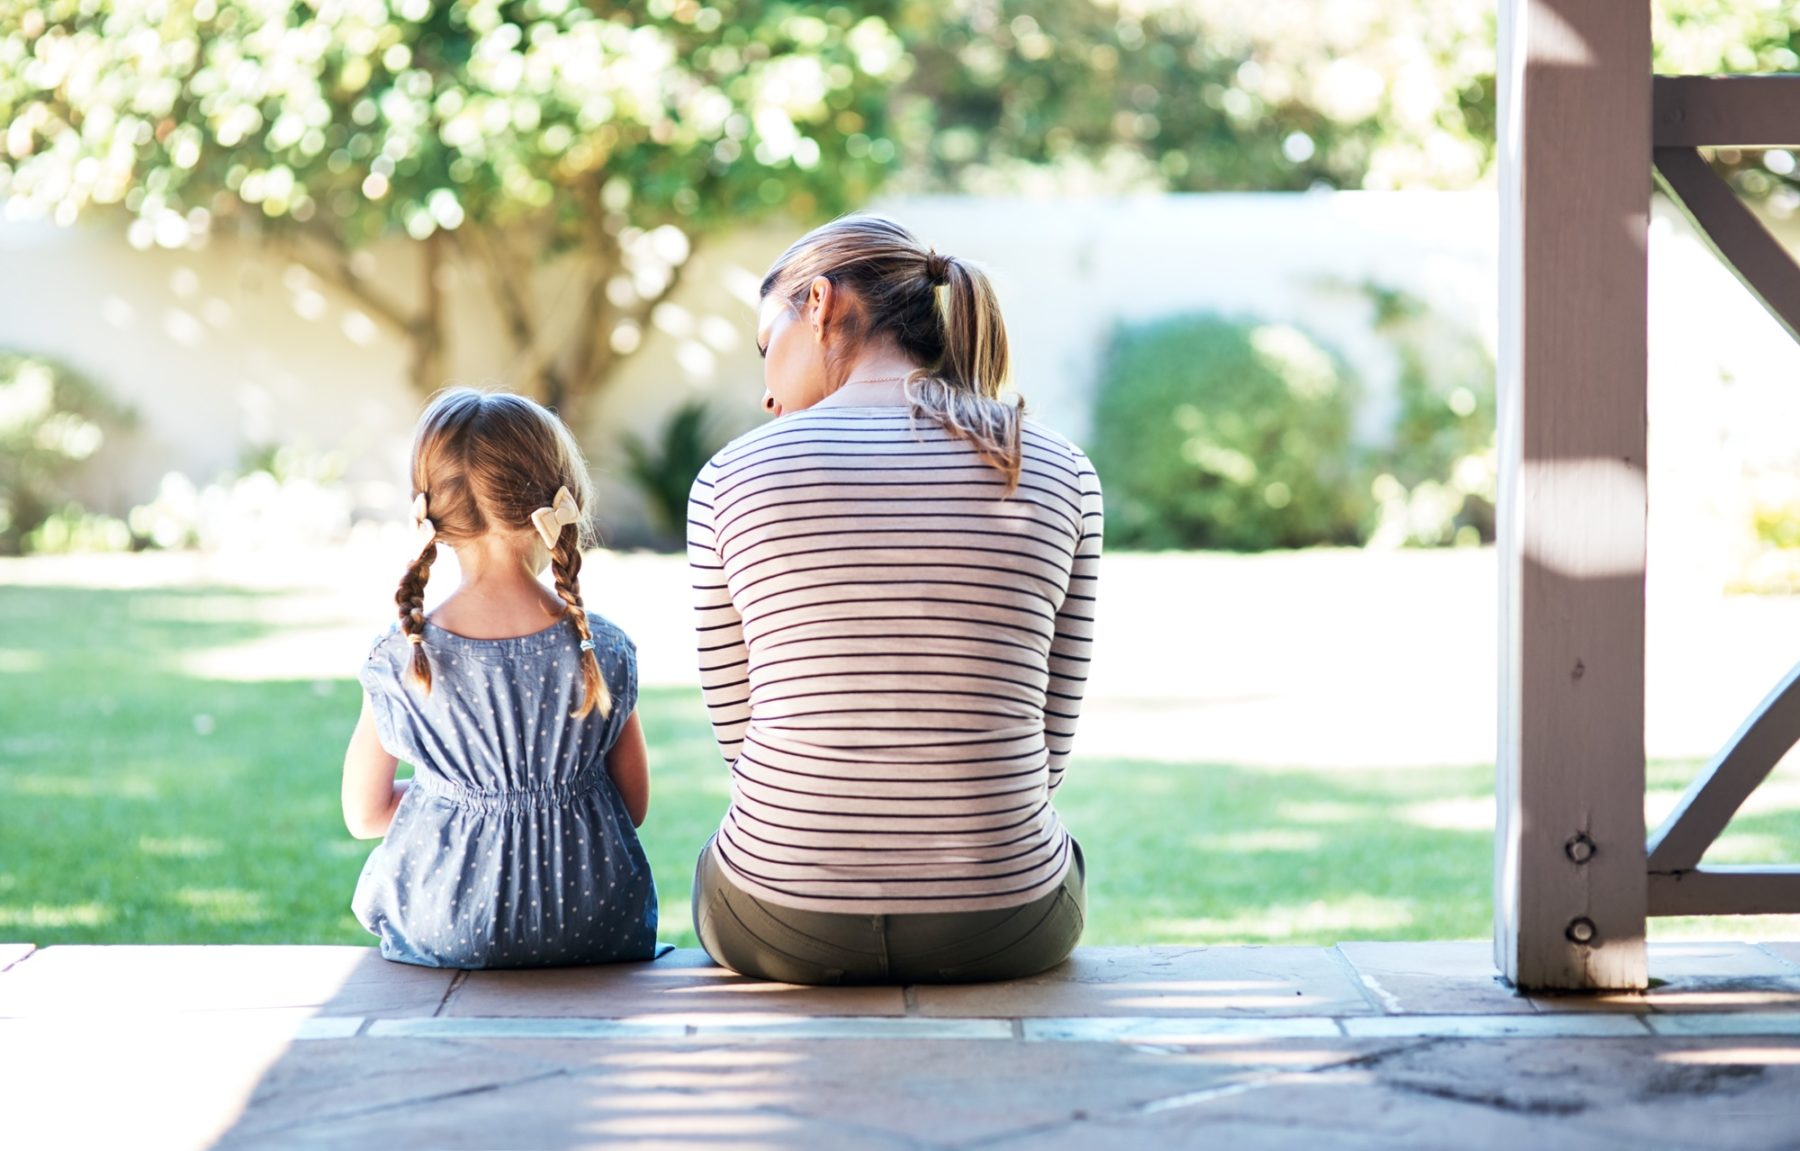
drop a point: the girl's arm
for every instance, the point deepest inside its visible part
(371, 794)
(629, 765)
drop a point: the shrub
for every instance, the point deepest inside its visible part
(281, 497)
(1436, 476)
(1212, 432)
(50, 421)
(665, 471)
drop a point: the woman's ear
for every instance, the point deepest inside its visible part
(821, 299)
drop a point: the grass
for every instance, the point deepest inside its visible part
(140, 803)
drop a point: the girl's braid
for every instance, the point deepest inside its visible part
(566, 565)
(411, 599)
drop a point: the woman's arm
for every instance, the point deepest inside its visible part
(629, 765)
(371, 793)
(1072, 651)
(718, 629)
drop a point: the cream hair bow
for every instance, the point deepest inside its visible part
(549, 521)
(424, 529)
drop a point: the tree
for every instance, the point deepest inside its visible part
(613, 137)
(1196, 95)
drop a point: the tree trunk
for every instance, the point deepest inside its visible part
(426, 329)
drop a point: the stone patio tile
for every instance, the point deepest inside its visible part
(1434, 978)
(1341, 1109)
(1166, 981)
(1677, 960)
(77, 981)
(683, 981)
(1731, 1023)
(11, 953)
(1201, 1029)
(941, 1094)
(1578, 1003)
(1594, 1093)
(329, 1080)
(684, 1093)
(1496, 1026)
(1617, 1092)
(1711, 977)
(673, 1026)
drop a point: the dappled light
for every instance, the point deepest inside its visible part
(1351, 916)
(40, 918)
(1770, 1056)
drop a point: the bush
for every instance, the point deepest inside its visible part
(664, 471)
(281, 497)
(1230, 434)
(1436, 478)
(50, 421)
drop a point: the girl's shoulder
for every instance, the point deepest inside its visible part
(606, 633)
(386, 638)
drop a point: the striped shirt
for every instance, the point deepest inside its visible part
(893, 653)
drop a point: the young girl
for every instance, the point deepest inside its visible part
(513, 845)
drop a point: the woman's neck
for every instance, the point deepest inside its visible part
(875, 377)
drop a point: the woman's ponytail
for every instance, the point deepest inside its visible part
(962, 394)
(941, 311)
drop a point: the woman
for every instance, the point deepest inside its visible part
(896, 584)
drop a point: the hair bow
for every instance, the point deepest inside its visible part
(549, 521)
(423, 528)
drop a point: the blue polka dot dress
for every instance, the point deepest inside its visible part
(512, 848)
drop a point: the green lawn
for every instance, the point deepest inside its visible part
(141, 804)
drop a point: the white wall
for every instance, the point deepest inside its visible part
(227, 347)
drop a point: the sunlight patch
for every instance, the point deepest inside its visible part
(40, 916)
(1733, 1056)
(83, 787)
(179, 847)
(1360, 913)
(223, 904)
(317, 654)
(15, 661)
(1266, 839)
(1472, 813)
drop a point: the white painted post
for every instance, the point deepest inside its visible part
(1574, 152)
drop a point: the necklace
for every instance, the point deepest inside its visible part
(875, 380)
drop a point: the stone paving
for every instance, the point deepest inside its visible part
(1361, 1045)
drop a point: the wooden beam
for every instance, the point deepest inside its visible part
(1574, 146)
(1717, 793)
(1758, 259)
(1768, 890)
(1727, 111)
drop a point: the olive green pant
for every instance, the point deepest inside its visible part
(789, 945)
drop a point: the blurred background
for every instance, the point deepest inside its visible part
(1247, 256)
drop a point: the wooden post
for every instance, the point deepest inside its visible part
(1575, 156)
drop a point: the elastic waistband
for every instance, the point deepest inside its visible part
(518, 799)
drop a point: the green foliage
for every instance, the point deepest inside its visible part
(417, 118)
(1228, 434)
(665, 471)
(503, 134)
(51, 420)
(1436, 473)
(1205, 95)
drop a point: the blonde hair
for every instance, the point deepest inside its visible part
(941, 311)
(485, 461)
